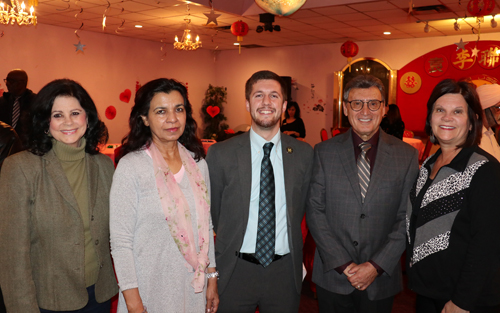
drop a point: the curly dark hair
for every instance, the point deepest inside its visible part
(39, 139)
(474, 110)
(140, 134)
(294, 104)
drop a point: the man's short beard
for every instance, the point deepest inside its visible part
(266, 123)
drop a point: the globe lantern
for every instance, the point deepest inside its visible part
(349, 49)
(280, 7)
(239, 29)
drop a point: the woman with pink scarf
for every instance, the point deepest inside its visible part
(161, 230)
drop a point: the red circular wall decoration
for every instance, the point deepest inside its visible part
(480, 7)
(110, 112)
(436, 64)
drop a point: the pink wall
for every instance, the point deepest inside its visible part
(109, 65)
(112, 64)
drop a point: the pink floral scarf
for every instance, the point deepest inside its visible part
(176, 210)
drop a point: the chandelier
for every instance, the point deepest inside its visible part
(16, 14)
(186, 42)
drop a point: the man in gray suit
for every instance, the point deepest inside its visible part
(259, 182)
(357, 206)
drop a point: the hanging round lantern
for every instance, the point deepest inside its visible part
(239, 29)
(349, 49)
(480, 7)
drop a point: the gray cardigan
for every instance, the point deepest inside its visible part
(144, 253)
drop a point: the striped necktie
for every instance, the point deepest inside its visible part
(266, 227)
(364, 169)
(16, 112)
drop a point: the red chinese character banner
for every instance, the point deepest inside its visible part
(478, 62)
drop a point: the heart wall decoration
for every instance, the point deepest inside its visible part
(213, 110)
(126, 95)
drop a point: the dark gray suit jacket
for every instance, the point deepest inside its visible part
(230, 167)
(345, 229)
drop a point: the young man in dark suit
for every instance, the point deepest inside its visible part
(259, 182)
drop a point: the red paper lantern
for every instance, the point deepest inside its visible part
(349, 49)
(480, 7)
(239, 29)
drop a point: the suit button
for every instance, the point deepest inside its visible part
(236, 253)
(96, 242)
(355, 243)
(362, 216)
(92, 218)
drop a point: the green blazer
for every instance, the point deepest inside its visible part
(42, 237)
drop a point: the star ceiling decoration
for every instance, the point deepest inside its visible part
(475, 51)
(212, 17)
(461, 44)
(79, 46)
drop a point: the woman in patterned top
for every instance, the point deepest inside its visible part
(453, 250)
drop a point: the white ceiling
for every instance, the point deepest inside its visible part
(318, 21)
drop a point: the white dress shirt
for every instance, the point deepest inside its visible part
(250, 239)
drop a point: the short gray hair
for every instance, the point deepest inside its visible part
(364, 82)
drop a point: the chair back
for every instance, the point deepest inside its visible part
(323, 134)
(427, 150)
(408, 134)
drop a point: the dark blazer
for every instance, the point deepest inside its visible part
(6, 106)
(42, 237)
(345, 229)
(230, 168)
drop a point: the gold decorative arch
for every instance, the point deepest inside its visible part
(339, 119)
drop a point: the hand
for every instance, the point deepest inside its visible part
(212, 295)
(133, 301)
(362, 275)
(451, 307)
(348, 268)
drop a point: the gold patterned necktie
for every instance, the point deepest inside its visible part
(16, 112)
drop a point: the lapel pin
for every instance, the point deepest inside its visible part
(289, 150)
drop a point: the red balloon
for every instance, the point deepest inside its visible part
(239, 28)
(349, 49)
(110, 112)
(480, 7)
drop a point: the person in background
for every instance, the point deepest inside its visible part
(392, 123)
(15, 104)
(357, 206)
(257, 216)
(489, 96)
(453, 251)
(9, 144)
(292, 124)
(162, 240)
(54, 230)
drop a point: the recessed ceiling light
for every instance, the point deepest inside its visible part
(236, 44)
(387, 33)
(138, 26)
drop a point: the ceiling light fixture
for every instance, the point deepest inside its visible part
(138, 26)
(456, 26)
(427, 28)
(387, 33)
(186, 42)
(493, 22)
(15, 13)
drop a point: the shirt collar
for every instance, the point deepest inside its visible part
(258, 142)
(372, 141)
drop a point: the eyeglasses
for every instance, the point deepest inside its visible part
(357, 105)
